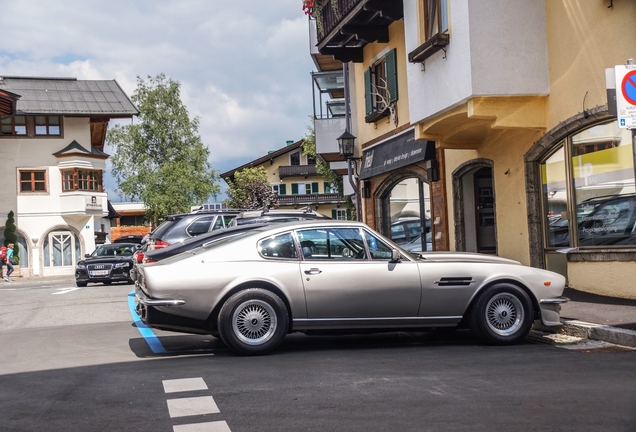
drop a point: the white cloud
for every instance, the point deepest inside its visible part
(244, 66)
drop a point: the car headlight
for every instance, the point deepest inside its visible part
(122, 265)
(80, 267)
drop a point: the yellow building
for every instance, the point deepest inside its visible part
(294, 178)
(499, 112)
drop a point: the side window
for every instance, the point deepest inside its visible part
(227, 220)
(332, 244)
(218, 223)
(378, 249)
(200, 226)
(280, 246)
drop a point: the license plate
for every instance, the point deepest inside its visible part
(98, 272)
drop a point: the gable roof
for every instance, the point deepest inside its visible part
(69, 96)
(269, 156)
(76, 148)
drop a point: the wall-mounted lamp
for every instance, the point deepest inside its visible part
(432, 170)
(346, 146)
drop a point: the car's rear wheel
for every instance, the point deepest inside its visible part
(253, 321)
(502, 314)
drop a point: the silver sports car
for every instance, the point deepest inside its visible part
(321, 276)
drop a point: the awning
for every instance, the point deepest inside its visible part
(395, 153)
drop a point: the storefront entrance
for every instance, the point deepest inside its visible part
(60, 252)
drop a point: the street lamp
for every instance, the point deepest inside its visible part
(346, 147)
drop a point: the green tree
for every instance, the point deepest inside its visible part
(162, 161)
(10, 235)
(250, 190)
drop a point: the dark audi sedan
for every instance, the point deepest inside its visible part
(107, 264)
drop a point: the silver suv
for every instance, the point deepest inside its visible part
(179, 227)
(279, 215)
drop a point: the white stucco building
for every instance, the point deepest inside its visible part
(52, 159)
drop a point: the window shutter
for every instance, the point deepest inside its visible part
(327, 187)
(294, 188)
(348, 214)
(282, 189)
(334, 214)
(314, 188)
(368, 93)
(391, 74)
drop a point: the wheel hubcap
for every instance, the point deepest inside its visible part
(504, 314)
(254, 322)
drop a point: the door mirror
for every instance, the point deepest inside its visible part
(395, 255)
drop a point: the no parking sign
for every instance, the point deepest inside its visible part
(626, 95)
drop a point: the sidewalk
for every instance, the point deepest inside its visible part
(586, 316)
(595, 317)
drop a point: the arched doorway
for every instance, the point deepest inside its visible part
(404, 204)
(60, 252)
(475, 216)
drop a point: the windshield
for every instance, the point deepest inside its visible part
(114, 250)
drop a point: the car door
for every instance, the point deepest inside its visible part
(347, 274)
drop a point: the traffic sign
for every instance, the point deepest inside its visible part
(626, 95)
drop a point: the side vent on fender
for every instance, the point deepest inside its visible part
(455, 281)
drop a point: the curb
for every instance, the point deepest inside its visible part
(598, 332)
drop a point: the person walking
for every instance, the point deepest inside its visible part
(9, 263)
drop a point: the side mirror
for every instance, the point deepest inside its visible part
(87, 255)
(395, 255)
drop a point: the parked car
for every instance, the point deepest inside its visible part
(405, 231)
(107, 264)
(179, 227)
(192, 243)
(138, 239)
(276, 215)
(415, 245)
(325, 275)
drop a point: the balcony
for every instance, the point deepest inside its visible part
(83, 203)
(344, 30)
(297, 171)
(309, 199)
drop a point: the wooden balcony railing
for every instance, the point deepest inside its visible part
(308, 199)
(296, 170)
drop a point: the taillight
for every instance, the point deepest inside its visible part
(148, 260)
(158, 244)
(139, 257)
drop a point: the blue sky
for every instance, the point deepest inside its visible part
(244, 66)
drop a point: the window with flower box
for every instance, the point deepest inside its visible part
(81, 180)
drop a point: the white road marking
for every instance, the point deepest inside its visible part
(217, 426)
(185, 384)
(65, 291)
(192, 406)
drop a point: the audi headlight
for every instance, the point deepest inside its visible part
(122, 265)
(80, 267)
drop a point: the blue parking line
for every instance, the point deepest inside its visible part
(146, 332)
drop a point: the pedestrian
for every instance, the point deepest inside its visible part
(9, 261)
(3, 260)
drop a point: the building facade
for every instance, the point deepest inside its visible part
(53, 163)
(527, 160)
(293, 176)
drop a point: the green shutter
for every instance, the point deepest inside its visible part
(349, 214)
(368, 93)
(314, 188)
(327, 187)
(294, 188)
(282, 189)
(334, 214)
(391, 74)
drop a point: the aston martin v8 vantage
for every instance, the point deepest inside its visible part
(253, 288)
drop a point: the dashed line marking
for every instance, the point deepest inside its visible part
(192, 406)
(217, 426)
(65, 291)
(185, 384)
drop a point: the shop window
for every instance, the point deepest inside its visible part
(588, 190)
(32, 181)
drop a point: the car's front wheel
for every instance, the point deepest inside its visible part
(81, 284)
(502, 314)
(253, 321)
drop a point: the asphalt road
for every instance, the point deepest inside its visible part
(72, 360)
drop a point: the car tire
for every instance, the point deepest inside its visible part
(81, 284)
(253, 322)
(501, 315)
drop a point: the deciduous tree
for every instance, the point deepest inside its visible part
(162, 160)
(250, 190)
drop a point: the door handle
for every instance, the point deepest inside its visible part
(313, 271)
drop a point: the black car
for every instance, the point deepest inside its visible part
(279, 215)
(179, 227)
(107, 264)
(130, 239)
(200, 240)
